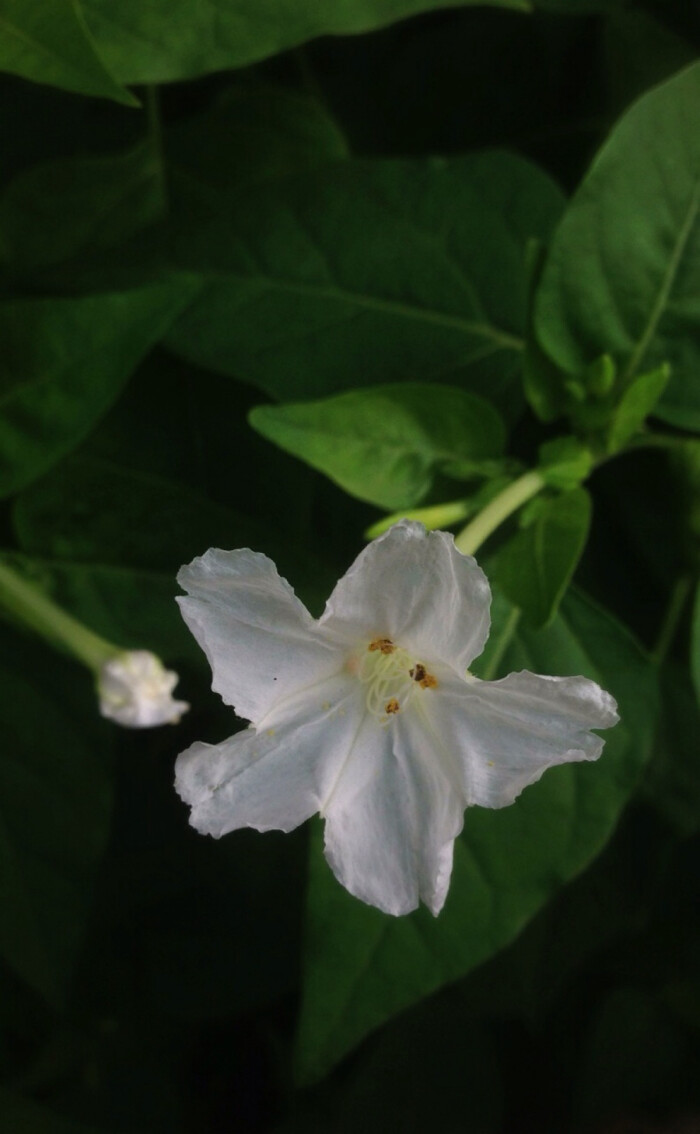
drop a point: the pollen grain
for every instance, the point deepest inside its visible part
(385, 645)
(421, 676)
(392, 707)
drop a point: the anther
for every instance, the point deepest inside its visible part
(385, 645)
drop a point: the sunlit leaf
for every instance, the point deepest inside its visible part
(385, 444)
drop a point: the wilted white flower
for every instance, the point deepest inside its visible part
(135, 691)
(369, 715)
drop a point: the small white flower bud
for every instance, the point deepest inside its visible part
(135, 691)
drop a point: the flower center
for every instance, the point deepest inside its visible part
(392, 678)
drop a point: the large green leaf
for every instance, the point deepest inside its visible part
(57, 211)
(370, 272)
(49, 42)
(622, 276)
(84, 224)
(64, 363)
(384, 445)
(54, 811)
(363, 967)
(161, 40)
(535, 567)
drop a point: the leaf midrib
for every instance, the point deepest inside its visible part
(666, 285)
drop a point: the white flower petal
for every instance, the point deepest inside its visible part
(506, 733)
(260, 640)
(392, 822)
(273, 778)
(414, 587)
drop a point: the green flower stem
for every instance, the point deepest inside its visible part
(29, 605)
(498, 510)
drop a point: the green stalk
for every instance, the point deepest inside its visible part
(499, 509)
(30, 606)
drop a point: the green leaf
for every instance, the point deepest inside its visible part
(564, 462)
(371, 272)
(55, 781)
(384, 445)
(178, 39)
(53, 212)
(64, 363)
(362, 967)
(535, 566)
(251, 135)
(635, 405)
(48, 41)
(622, 276)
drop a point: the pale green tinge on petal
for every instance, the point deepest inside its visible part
(415, 587)
(506, 733)
(260, 640)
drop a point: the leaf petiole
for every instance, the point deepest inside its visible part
(499, 509)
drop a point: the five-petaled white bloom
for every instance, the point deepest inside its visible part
(369, 715)
(135, 691)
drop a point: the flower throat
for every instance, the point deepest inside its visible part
(392, 677)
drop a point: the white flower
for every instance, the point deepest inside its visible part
(369, 715)
(135, 691)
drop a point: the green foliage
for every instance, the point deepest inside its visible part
(363, 967)
(54, 212)
(48, 41)
(369, 230)
(64, 363)
(384, 445)
(428, 281)
(635, 405)
(632, 233)
(564, 463)
(551, 545)
(161, 40)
